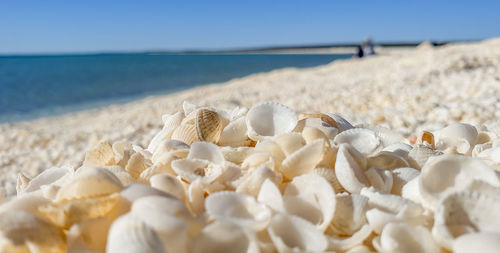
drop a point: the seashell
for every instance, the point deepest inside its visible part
(206, 151)
(100, 155)
(193, 169)
(347, 243)
(400, 149)
(303, 160)
(380, 179)
(22, 182)
(427, 137)
(401, 237)
(239, 209)
(208, 125)
(135, 165)
(251, 182)
(485, 242)
(311, 197)
(329, 175)
(465, 212)
(420, 154)
(270, 195)
(389, 202)
(410, 190)
(47, 177)
(169, 150)
(121, 150)
(329, 157)
(386, 160)
(269, 146)
(445, 174)
(27, 203)
(290, 233)
(146, 175)
(457, 137)
(185, 133)
(134, 192)
(324, 117)
(92, 233)
(236, 155)
(188, 107)
(290, 142)
(363, 140)
(401, 177)
(196, 197)
(235, 133)
(170, 123)
(89, 182)
(230, 238)
(65, 214)
(129, 234)
(238, 112)
(122, 175)
(21, 231)
(349, 215)
(386, 136)
(257, 159)
(348, 171)
(311, 134)
(169, 184)
(269, 119)
(342, 124)
(328, 130)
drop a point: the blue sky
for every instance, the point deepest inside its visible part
(34, 26)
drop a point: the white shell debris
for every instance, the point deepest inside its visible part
(261, 180)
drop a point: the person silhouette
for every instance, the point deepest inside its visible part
(360, 52)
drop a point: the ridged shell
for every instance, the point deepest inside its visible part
(303, 160)
(380, 179)
(311, 134)
(185, 133)
(342, 124)
(100, 155)
(349, 214)
(329, 175)
(168, 150)
(400, 237)
(251, 182)
(239, 209)
(270, 195)
(348, 171)
(324, 117)
(129, 234)
(445, 174)
(235, 133)
(347, 243)
(269, 119)
(193, 169)
(400, 149)
(421, 153)
(208, 125)
(135, 165)
(363, 140)
(236, 155)
(24, 232)
(290, 233)
(269, 146)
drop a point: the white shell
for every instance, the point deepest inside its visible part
(457, 137)
(362, 139)
(206, 151)
(269, 119)
(251, 182)
(348, 171)
(235, 133)
(239, 209)
(304, 159)
(401, 177)
(171, 122)
(225, 237)
(168, 184)
(349, 215)
(477, 242)
(400, 237)
(420, 154)
(347, 243)
(192, 169)
(270, 195)
(342, 124)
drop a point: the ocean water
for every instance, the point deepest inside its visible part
(36, 86)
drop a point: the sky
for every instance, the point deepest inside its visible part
(34, 26)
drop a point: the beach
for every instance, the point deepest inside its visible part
(408, 91)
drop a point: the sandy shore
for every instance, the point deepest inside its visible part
(409, 90)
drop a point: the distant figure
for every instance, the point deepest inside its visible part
(360, 52)
(368, 46)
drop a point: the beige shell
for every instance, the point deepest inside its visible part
(311, 197)
(380, 179)
(269, 146)
(485, 242)
(89, 182)
(169, 150)
(347, 243)
(129, 234)
(206, 151)
(100, 155)
(193, 169)
(445, 174)
(185, 133)
(122, 150)
(420, 154)
(208, 125)
(329, 175)
(251, 182)
(196, 197)
(348, 171)
(303, 160)
(362, 139)
(170, 123)
(22, 182)
(311, 134)
(54, 175)
(324, 117)
(230, 238)
(465, 212)
(290, 233)
(268, 119)
(235, 134)
(168, 184)
(290, 142)
(341, 122)
(401, 237)
(328, 130)
(386, 160)
(349, 215)
(91, 233)
(401, 177)
(135, 165)
(427, 137)
(24, 232)
(236, 155)
(257, 159)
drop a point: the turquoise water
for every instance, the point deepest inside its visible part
(36, 86)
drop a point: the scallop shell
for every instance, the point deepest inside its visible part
(290, 233)
(400, 237)
(230, 238)
(401, 177)
(347, 243)
(236, 155)
(185, 133)
(235, 133)
(193, 169)
(206, 151)
(135, 165)
(239, 209)
(269, 146)
(270, 195)
(311, 197)
(363, 140)
(251, 182)
(129, 234)
(348, 171)
(485, 242)
(386, 160)
(169, 184)
(380, 179)
(269, 119)
(457, 137)
(465, 212)
(420, 154)
(24, 232)
(342, 123)
(89, 182)
(303, 160)
(349, 215)
(170, 123)
(208, 125)
(445, 174)
(329, 175)
(290, 142)
(100, 155)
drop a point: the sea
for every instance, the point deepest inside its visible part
(43, 85)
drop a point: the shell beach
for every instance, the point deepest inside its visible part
(398, 152)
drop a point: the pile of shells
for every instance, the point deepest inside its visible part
(265, 179)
